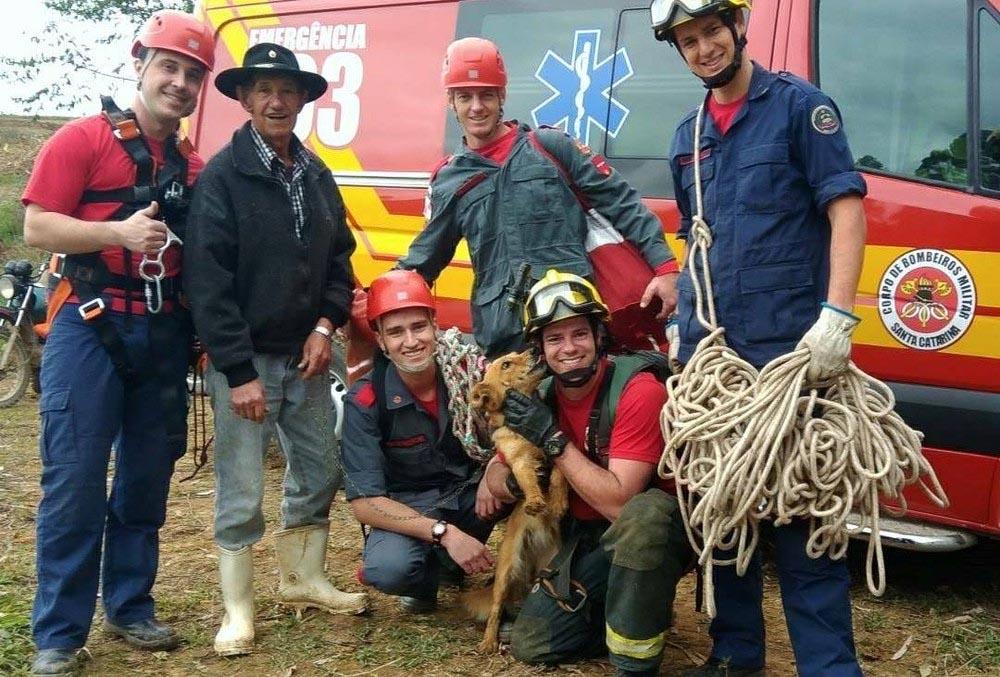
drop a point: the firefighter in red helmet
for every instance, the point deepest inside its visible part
(511, 192)
(111, 192)
(406, 474)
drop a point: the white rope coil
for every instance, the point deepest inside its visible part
(462, 365)
(744, 446)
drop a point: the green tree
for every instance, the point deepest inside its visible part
(63, 68)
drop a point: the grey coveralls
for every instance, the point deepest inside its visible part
(524, 211)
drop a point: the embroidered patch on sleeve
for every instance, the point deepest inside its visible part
(582, 147)
(601, 164)
(824, 120)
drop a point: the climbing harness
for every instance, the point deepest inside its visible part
(744, 446)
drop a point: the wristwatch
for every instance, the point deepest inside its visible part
(554, 446)
(437, 531)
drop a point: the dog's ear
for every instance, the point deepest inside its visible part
(482, 398)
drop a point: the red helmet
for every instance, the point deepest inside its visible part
(396, 290)
(177, 32)
(473, 62)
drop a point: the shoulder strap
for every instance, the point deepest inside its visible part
(596, 441)
(606, 404)
(540, 147)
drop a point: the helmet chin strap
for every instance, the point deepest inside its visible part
(726, 75)
(574, 378)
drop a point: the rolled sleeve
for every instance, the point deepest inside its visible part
(821, 145)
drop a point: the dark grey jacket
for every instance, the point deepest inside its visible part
(524, 212)
(254, 287)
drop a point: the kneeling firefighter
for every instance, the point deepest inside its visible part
(624, 547)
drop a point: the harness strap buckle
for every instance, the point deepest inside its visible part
(92, 309)
(125, 129)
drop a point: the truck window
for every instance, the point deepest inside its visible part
(903, 96)
(910, 115)
(989, 100)
(560, 58)
(658, 95)
(568, 68)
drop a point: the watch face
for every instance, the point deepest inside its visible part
(439, 529)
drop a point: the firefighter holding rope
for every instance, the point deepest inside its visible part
(782, 204)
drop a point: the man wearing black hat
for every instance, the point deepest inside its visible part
(267, 269)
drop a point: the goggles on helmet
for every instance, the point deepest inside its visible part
(665, 15)
(560, 301)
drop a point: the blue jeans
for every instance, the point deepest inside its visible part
(816, 599)
(304, 411)
(85, 410)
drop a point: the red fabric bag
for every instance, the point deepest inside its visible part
(621, 274)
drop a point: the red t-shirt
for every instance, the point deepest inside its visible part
(498, 150)
(723, 113)
(84, 155)
(430, 406)
(635, 433)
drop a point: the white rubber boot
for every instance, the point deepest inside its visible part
(301, 554)
(235, 637)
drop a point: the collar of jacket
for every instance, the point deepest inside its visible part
(247, 161)
(760, 82)
(522, 135)
(397, 396)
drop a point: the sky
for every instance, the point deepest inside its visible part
(15, 41)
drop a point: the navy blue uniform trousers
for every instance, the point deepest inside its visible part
(85, 410)
(816, 600)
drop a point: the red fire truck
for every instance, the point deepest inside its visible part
(918, 84)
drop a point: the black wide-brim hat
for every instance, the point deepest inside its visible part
(269, 59)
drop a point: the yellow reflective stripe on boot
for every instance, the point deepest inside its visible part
(633, 648)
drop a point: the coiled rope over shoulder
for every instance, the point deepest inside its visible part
(744, 446)
(462, 365)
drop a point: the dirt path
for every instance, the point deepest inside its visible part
(926, 596)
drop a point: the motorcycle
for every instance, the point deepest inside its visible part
(23, 298)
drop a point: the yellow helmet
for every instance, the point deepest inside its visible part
(666, 15)
(558, 296)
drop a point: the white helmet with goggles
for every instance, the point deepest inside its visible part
(666, 15)
(560, 296)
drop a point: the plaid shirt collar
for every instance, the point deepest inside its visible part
(273, 163)
(293, 184)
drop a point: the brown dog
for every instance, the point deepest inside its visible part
(531, 538)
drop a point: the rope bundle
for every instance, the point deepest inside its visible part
(744, 446)
(461, 366)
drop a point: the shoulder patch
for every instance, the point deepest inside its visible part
(824, 119)
(441, 163)
(366, 395)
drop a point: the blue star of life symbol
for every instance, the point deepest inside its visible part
(581, 89)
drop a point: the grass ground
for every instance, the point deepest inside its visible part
(945, 609)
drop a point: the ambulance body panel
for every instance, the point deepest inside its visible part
(913, 83)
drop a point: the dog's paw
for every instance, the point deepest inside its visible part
(488, 646)
(534, 507)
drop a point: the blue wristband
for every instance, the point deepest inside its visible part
(840, 310)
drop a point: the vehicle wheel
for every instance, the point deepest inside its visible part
(338, 384)
(15, 376)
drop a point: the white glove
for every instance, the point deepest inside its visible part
(673, 333)
(829, 343)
